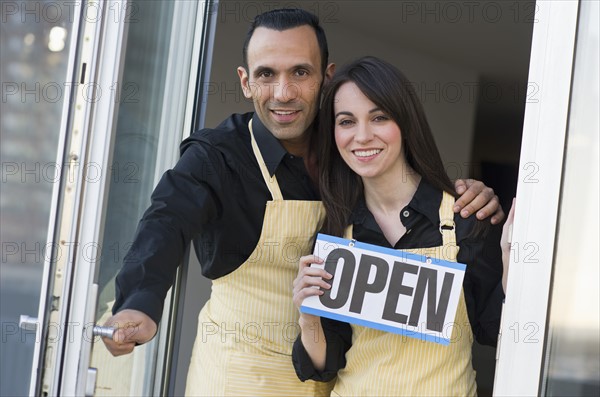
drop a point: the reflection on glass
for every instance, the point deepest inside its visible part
(154, 56)
(572, 365)
(33, 66)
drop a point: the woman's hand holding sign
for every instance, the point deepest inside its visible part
(308, 278)
(312, 334)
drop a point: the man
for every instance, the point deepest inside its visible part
(245, 192)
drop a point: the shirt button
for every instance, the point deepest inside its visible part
(292, 156)
(405, 214)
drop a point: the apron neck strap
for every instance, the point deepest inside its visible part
(447, 225)
(348, 232)
(270, 181)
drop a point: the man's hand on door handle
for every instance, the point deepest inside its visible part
(132, 328)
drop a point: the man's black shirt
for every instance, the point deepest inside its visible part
(215, 195)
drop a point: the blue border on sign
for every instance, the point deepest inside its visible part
(372, 324)
(389, 251)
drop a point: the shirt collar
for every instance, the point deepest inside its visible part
(270, 148)
(426, 201)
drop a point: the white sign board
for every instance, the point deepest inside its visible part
(387, 289)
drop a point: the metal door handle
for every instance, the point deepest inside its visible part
(106, 332)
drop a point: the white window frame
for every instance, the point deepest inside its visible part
(66, 201)
(520, 353)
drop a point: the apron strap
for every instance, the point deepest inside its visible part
(447, 225)
(270, 181)
(348, 232)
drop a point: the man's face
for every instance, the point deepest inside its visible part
(284, 81)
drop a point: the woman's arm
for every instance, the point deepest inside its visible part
(338, 336)
(505, 243)
(487, 259)
(320, 350)
(482, 284)
(311, 331)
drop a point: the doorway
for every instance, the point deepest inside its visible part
(468, 62)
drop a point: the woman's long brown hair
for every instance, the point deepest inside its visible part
(389, 89)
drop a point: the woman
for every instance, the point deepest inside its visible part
(383, 182)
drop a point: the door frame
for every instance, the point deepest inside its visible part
(67, 196)
(522, 340)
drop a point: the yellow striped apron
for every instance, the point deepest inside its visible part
(385, 364)
(247, 328)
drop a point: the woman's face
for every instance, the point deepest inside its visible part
(369, 141)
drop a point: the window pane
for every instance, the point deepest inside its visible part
(573, 361)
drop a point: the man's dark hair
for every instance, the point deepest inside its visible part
(284, 19)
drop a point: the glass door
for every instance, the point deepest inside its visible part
(136, 66)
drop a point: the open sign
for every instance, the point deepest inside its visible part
(387, 289)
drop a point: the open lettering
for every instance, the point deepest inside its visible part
(356, 288)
